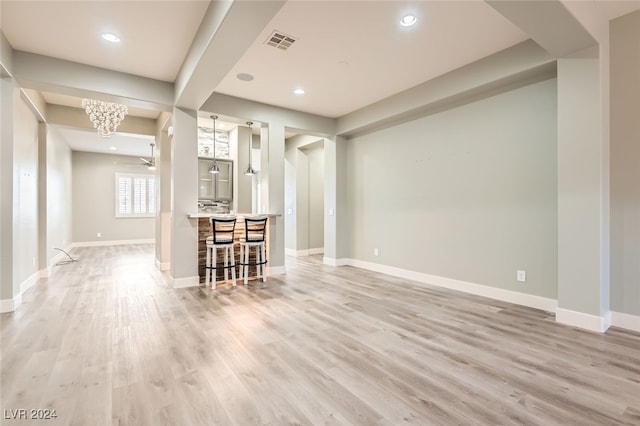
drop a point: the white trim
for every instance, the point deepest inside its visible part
(112, 242)
(304, 252)
(530, 300)
(46, 272)
(628, 321)
(590, 322)
(335, 262)
(162, 266)
(185, 282)
(10, 305)
(276, 270)
(29, 282)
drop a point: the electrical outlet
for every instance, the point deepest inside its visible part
(375, 252)
(33, 261)
(99, 234)
(521, 276)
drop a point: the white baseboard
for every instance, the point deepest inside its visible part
(276, 270)
(10, 305)
(504, 295)
(335, 262)
(290, 252)
(29, 282)
(162, 266)
(305, 252)
(185, 282)
(590, 322)
(113, 242)
(298, 253)
(628, 321)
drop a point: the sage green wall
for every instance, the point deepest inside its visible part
(625, 164)
(94, 199)
(469, 193)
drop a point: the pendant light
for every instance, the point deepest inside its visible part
(250, 171)
(214, 170)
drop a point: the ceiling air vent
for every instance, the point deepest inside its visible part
(280, 40)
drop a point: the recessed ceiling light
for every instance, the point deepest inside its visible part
(111, 37)
(408, 20)
(244, 77)
(112, 148)
(299, 91)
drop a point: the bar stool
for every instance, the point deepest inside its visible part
(254, 236)
(222, 237)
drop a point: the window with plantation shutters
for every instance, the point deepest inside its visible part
(135, 195)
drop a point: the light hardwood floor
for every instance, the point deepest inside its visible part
(106, 342)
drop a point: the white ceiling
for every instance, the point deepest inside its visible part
(348, 55)
(156, 35)
(124, 143)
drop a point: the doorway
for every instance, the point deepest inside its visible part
(304, 195)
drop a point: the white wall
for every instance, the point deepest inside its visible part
(59, 194)
(94, 199)
(25, 195)
(469, 193)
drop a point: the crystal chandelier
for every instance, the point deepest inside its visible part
(105, 116)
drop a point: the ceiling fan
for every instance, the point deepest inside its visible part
(151, 163)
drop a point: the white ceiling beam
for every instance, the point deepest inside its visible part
(548, 22)
(522, 64)
(226, 32)
(49, 74)
(77, 118)
(6, 56)
(246, 110)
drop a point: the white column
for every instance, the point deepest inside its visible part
(10, 297)
(272, 183)
(184, 199)
(583, 190)
(336, 231)
(163, 191)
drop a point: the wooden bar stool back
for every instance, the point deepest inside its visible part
(221, 237)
